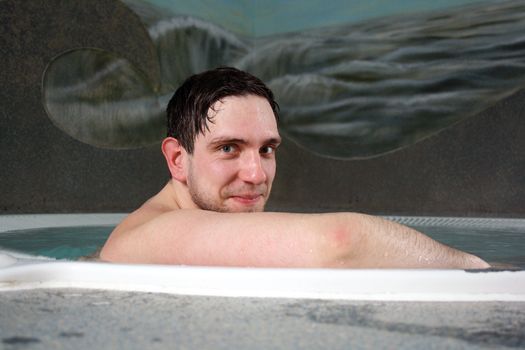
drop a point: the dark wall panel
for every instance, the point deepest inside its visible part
(42, 168)
(474, 168)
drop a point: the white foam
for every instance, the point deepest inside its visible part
(6, 260)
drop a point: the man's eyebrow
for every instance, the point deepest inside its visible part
(273, 141)
(225, 140)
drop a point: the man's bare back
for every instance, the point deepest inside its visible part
(159, 204)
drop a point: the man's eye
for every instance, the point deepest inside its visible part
(227, 148)
(267, 150)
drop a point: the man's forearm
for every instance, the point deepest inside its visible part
(378, 243)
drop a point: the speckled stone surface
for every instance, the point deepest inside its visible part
(87, 319)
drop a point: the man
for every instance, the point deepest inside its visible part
(220, 151)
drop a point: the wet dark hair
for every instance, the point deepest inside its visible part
(187, 110)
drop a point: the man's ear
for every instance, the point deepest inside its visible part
(175, 156)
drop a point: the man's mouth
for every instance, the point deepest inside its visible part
(247, 199)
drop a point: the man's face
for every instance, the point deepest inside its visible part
(233, 164)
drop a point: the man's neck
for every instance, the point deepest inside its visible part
(178, 195)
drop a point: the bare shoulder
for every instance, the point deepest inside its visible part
(149, 211)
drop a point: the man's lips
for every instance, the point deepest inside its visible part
(246, 198)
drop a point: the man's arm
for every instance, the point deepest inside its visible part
(344, 240)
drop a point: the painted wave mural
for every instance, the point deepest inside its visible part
(347, 90)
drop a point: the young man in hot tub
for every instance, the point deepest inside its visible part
(222, 127)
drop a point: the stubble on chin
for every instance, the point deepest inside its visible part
(229, 193)
(220, 203)
(206, 203)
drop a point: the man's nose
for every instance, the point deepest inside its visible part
(252, 169)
